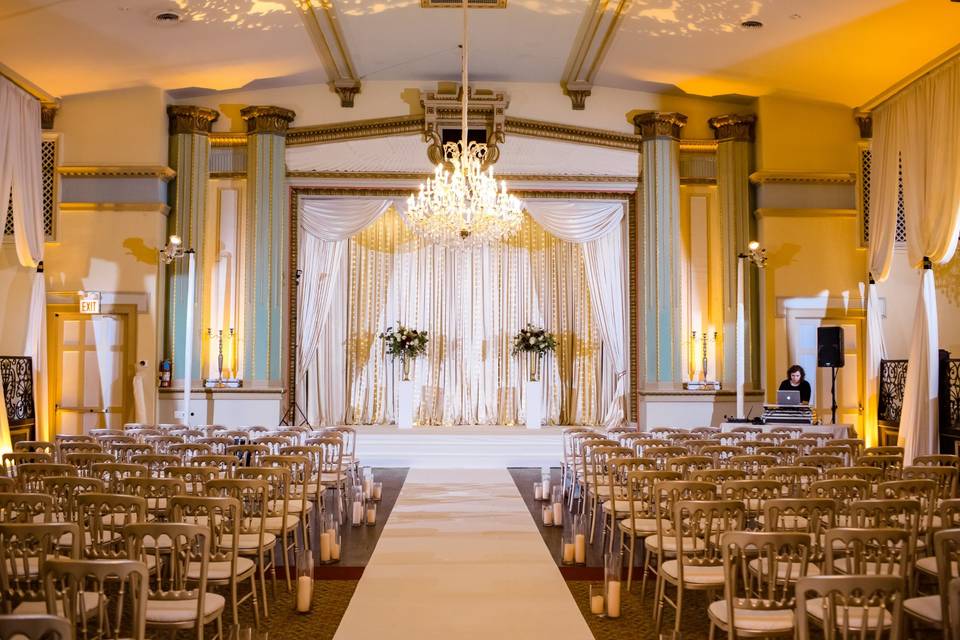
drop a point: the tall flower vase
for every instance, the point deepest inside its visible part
(405, 363)
(405, 395)
(535, 358)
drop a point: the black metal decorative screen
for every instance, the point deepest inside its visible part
(893, 379)
(866, 195)
(48, 175)
(954, 381)
(16, 373)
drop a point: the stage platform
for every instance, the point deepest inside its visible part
(459, 447)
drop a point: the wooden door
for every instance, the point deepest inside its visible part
(849, 378)
(92, 376)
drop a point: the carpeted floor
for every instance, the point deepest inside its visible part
(330, 600)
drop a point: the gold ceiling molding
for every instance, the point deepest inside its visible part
(323, 26)
(402, 175)
(572, 133)
(228, 139)
(698, 146)
(600, 24)
(802, 177)
(775, 212)
(159, 207)
(267, 119)
(117, 171)
(355, 130)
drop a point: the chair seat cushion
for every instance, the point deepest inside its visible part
(90, 599)
(638, 526)
(926, 608)
(220, 570)
(669, 543)
(173, 611)
(622, 506)
(247, 543)
(817, 608)
(784, 569)
(775, 621)
(694, 574)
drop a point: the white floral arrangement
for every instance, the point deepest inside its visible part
(533, 339)
(404, 342)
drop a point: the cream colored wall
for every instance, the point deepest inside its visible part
(805, 136)
(113, 251)
(606, 108)
(900, 292)
(127, 126)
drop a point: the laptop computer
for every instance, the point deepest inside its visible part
(788, 398)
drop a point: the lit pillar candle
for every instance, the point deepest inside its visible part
(613, 599)
(325, 546)
(357, 512)
(580, 548)
(568, 553)
(334, 550)
(377, 490)
(547, 516)
(537, 491)
(596, 605)
(558, 513)
(371, 514)
(304, 593)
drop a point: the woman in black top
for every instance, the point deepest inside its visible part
(796, 381)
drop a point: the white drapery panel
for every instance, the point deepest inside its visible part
(884, 184)
(918, 416)
(20, 176)
(598, 227)
(875, 352)
(924, 130)
(325, 227)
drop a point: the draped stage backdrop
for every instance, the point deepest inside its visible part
(363, 270)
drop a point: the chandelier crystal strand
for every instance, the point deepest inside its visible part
(463, 205)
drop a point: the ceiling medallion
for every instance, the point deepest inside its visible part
(462, 204)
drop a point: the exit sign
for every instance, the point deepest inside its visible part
(90, 302)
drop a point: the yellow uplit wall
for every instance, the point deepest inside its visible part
(805, 136)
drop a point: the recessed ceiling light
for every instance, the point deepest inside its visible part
(751, 24)
(795, 16)
(167, 18)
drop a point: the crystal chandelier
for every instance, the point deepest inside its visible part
(462, 205)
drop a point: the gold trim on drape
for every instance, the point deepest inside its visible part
(472, 302)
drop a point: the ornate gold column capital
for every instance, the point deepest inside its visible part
(48, 111)
(658, 124)
(190, 119)
(267, 119)
(733, 127)
(865, 123)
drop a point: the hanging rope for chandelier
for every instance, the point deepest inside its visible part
(463, 206)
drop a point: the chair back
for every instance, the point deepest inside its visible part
(890, 465)
(753, 494)
(697, 528)
(114, 473)
(944, 476)
(41, 446)
(717, 476)
(35, 627)
(843, 603)
(11, 462)
(30, 476)
(83, 462)
(194, 478)
(688, 464)
(156, 463)
(753, 466)
(248, 455)
(64, 491)
(874, 551)
(24, 550)
(103, 516)
(222, 517)
(946, 546)
(97, 594)
(954, 604)
(157, 492)
(794, 481)
(25, 507)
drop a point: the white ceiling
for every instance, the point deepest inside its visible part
(841, 50)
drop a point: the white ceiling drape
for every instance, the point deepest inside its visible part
(20, 176)
(920, 129)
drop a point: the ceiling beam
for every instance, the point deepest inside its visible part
(320, 19)
(597, 30)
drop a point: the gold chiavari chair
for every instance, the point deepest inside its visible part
(25, 507)
(96, 595)
(788, 432)
(753, 494)
(125, 452)
(567, 464)
(811, 517)
(717, 476)
(156, 463)
(218, 445)
(249, 455)
(349, 436)
(114, 473)
(194, 478)
(820, 462)
(765, 564)
(11, 462)
(30, 476)
(300, 499)
(698, 566)
(157, 492)
(894, 554)
(171, 604)
(858, 606)
(40, 446)
(794, 481)
(279, 521)
(785, 455)
(944, 476)
(187, 450)
(890, 465)
(226, 465)
(688, 465)
(721, 453)
(70, 447)
(598, 490)
(64, 491)
(25, 548)
(35, 627)
(83, 462)
(662, 545)
(753, 466)
(706, 431)
(642, 519)
(102, 517)
(933, 610)
(662, 454)
(844, 492)
(923, 492)
(803, 445)
(617, 504)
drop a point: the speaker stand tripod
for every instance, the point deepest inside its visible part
(833, 395)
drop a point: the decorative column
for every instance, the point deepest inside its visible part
(265, 243)
(735, 134)
(190, 157)
(660, 239)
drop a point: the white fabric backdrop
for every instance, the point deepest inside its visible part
(874, 353)
(921, 126)
(326, 224)
(20, 141)
(598, 227)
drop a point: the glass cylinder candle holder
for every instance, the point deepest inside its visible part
(612, 567)
(548, 515)
(556, 502)
(328, 535)
(304, 581)
(579, 532)
(331, 504)
(598, 605)
(371, 513)
(545, 481)
(356, 512)
(537, 491)
(335, 541)
(367, 482)
(567, 547)
(377, 491)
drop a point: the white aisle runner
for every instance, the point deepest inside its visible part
(461, 558)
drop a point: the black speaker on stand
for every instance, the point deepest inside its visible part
(830, 355)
